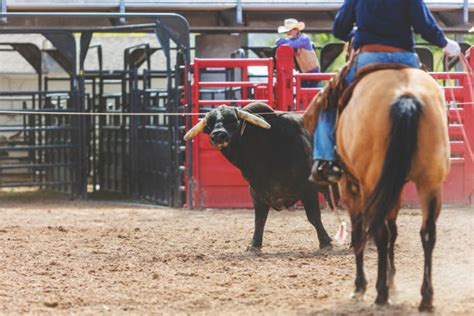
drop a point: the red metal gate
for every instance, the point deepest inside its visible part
(459, 186)
(218, 184)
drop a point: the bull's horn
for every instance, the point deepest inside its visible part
(196, 130)
(253, 119)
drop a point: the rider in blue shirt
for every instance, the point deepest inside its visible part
(381, 31)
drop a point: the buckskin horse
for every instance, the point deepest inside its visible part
(393, 130)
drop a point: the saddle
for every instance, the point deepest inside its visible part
(337, 93)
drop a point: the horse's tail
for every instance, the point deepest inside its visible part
(405, 116)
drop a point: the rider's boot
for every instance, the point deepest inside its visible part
(325, 172)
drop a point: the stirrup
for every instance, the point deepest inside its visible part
(325, 172)
(333, 172)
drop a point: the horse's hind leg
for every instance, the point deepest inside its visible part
(393, 231)
(430, 207)
(385, 236)
(392, 227)
(381, 236)
(353, 199)
(358, 243)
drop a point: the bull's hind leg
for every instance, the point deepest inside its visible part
(313, 213)
(430, 207)
(326, 193)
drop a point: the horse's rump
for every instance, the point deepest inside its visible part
(393, 129)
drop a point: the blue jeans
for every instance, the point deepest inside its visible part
(363, 59)
(324, 138)
(324, 141)
(311, 83)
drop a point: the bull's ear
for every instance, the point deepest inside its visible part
(196, 130)
(253, 119)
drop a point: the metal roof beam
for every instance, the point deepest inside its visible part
(319, 21)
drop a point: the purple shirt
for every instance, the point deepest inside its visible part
(302, 41)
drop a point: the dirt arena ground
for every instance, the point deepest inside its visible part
(85, 257)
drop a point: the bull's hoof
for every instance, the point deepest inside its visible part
(254, 249)
(426, 306)
(325, 246)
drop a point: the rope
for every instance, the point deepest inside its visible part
(341, 235)
(24, 112)
(97, 113)
(20, 112)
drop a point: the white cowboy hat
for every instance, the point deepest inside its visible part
(289, 25)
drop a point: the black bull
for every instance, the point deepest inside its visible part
(275, 157)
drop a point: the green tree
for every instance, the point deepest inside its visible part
(321, 39)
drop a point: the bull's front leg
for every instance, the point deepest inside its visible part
(261, 213)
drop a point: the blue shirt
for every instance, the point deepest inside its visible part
(388, 22)
(302, 41)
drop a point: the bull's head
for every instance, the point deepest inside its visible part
(222, 124)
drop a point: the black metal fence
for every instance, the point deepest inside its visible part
(35, 149)
(115, 151)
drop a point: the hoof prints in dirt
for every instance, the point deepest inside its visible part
(81, 257)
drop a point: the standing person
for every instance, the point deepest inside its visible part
(381, 31)
(304, 52)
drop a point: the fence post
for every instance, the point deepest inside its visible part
(469, 128)
(133, 145)
(78, 103)
(270, 91)
(192, 146)
(284, 78)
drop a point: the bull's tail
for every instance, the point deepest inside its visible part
(405, 116)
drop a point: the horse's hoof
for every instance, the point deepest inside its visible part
(426, 306)
(254, 249)
(357, 296)
(381, 301)
(393, 289)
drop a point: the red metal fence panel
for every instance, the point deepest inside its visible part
(218, 184)
(459, 186)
